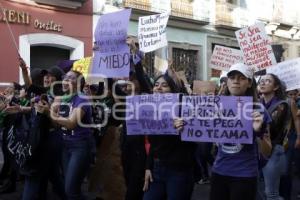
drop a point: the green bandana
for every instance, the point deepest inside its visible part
(67, 98)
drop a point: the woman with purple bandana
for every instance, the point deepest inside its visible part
(71, 113)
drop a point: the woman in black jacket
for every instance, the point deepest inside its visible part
(169, 168)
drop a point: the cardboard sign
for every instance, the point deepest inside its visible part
(152, 32)
(289, 72)
(82, 66)
(256, 47)
(221, 119)
(112, 59)
(204, 87)
(223, 57)
(151, 114)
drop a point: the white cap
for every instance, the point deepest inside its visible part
(242, 68)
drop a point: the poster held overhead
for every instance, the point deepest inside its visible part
(223, 57)
(152, 32)
(256, 47)
(289, 72)
(112, 58)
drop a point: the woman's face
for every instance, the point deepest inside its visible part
(238, 84)
(48, 79)
(267, 85)
(293, 94)
(69, 83)
(161, 86)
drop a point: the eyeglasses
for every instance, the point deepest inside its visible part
(264, 81)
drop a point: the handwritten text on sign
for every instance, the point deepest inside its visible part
(113, 57)
(223, 57)
(152, 32)
(289, 72)
(224, 119)
(256, 47)
(151, 114)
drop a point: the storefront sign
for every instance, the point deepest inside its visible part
(13, 16)
(17, 17)
(47, 26)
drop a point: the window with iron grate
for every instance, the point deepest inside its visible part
(186, 60)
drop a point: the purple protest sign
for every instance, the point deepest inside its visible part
(221, 119)
(152, 114)
(112, 59)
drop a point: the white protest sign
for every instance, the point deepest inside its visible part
(256, 47)
(289, 72)
(152, 32)
(223, 57)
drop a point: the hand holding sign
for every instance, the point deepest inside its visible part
(179, 124)
(257, 121)
(130, 42)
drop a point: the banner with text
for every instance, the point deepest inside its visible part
(289, 72)
(256, 47)
(152, 32)
(221, 119)
(223, 57)
(112, 59)
(152, 114)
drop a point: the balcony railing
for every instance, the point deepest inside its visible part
(231, 15)
(182, 9)
(138, 4)
(179, 8)
(74, 4)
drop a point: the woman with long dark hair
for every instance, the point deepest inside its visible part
(169, 168)
(273, 98)
(235, 170)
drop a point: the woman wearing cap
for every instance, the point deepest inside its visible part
(71, 114)
(169, 168)
(273, 98)
(235, 171)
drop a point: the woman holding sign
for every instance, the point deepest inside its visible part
(169, 168)
(273, 99)
(235, 171)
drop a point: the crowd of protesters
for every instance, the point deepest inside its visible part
(45, 138)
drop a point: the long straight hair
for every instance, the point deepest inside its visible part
(280, 92)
